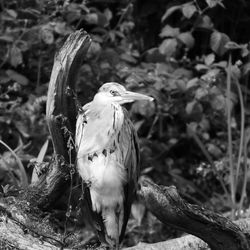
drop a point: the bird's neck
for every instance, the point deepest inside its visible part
(105, 106)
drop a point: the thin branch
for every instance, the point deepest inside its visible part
(242, 129)
(229, 132)
(24, 178)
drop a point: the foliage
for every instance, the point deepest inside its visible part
(195, 135)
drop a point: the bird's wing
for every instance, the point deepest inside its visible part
(80, 139)
(129, 139)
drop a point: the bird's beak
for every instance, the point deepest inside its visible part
(129, 96)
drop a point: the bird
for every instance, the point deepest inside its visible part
(107, 159)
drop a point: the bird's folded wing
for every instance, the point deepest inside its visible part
(129, 140)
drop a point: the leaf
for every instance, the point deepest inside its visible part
(102, 20)
(244, 50)
(214, 150)
(181, 84)
(200, 67)
(215, 91)
(221, 64)
(246, 68)
(188, 10)
(235, 71)
(232, 45)
(190, 106)
(169, 31)
(47, 35)
(218, 41)
(5, 188)
(205, 22)
(11, 13)
(187, 39)
(204, 124)
(138, 124)
(194, 108)
(39, 159)
(94, 48)
(168, 47)
(42, 152)
(108, 13)
(128, 58)
(182, 72)
(209, 59)
(192, 83)
(162, 69)
(17, 77)
(62, 28)
(218, 103)
(213, 3)
(16, 57)
(170, 11)
(6, 38)
(91, 18)
(201, 93)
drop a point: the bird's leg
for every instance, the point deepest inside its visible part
(111, 226)
(119, 221)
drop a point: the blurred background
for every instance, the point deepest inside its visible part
(191, 56)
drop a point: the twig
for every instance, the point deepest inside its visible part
(152, 126)
(229, 131)
(24, 178)
(242, 129)
(246, 168)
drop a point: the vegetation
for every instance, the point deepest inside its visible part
(191, 56)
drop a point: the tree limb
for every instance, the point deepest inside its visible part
(217, 231)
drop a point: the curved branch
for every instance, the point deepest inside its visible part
(61, 118)
(61, 109)
(217, 231)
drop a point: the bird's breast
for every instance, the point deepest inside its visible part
(101, 128)
(100, 156)
(105, 174)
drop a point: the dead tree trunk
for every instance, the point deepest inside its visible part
(22, 222)
(61, 118)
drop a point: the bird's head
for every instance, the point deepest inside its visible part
(115, 92)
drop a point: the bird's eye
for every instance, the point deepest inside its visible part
(114, 93)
